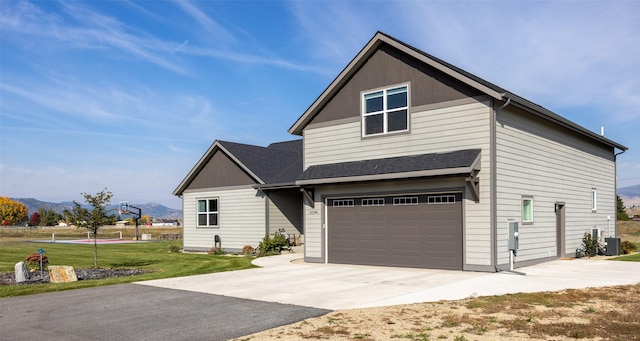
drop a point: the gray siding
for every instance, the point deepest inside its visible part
(551, 164)
(438, 128)
(242, 219)
(285, 211)
(389, 66)
(220, 171)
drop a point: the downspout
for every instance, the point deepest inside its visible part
(494, 183)
(615, 187)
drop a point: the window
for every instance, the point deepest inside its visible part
(373, 202)
(441, 199)
(594, 200)
(385, 111)
(405, 201)
(527, 210)
(343, 203)
(208, 212)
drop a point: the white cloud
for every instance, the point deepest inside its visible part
(333, 31)
(211, 27)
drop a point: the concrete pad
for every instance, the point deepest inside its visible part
(285, 279)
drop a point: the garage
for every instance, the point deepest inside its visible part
(413, 230)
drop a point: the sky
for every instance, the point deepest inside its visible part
(128, 95)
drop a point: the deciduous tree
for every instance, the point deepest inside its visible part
(35, 219)
(11, 211)
(92, 219)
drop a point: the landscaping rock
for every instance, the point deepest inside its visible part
(62, 274)
(21, 272)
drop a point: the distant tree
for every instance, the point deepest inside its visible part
(12, 212)
(49, 217)
(144, 219)
(35, 219)
(92, 219)
(621, 214)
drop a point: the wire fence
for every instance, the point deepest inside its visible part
(79, 236)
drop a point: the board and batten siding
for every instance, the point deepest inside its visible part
(550, 164)
(241, 219)
(444, 127)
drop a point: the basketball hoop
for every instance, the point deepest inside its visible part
(124, 208)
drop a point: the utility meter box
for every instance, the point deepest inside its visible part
(513, 235)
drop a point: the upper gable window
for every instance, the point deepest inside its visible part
(385, 111)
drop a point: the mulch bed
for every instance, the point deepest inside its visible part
(9, 278)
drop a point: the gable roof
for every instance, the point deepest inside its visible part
(432, 164)
(459, 74)
(277, 163)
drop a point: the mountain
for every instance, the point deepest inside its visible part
(630, 195)
(151, 209)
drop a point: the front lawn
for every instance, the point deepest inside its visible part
(153, 256)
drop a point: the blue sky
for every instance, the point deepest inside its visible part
(128, 95)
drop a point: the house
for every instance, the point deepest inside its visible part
(240, 193)
(165, 222)
(410, 161)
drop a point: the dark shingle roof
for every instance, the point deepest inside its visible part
(402, 164)
(278, 163)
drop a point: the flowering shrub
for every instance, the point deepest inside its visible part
(248, 250)
(33, 261)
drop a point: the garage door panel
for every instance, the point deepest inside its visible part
(418, 231)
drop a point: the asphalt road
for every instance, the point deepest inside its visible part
(137, 312)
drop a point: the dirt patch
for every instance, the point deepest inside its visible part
(609, 313)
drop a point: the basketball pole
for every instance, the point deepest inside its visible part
(137, 217)
(125, 209)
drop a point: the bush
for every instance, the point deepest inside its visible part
(272, 246)
(590, 246)
(33, 261)
(248, 250)
(216, 251)
(627, 247)
(174, 248)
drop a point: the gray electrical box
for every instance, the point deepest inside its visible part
(513, 235)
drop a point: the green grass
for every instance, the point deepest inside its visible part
(150, 256)
(628, 258)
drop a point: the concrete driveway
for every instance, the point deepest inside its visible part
(284, 279)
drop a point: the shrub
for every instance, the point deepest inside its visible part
(248, 250)
(627, 247)
(33, 261)
(174, 248)
(216, 251)
(589, 245)
(272, 246)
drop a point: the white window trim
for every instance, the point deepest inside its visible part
(405, 201)
(368, 202)
(594, 200)
(343, 203)
(525, 198)
(207, 212)
(444, 199)
(384, 111)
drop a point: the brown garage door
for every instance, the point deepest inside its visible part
(422, 231)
